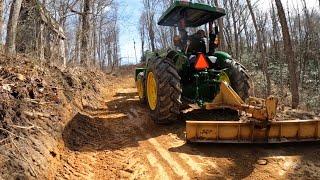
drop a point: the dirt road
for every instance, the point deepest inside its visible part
(120, 141)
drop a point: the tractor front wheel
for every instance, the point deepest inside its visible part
(163, 91)
(141, 87)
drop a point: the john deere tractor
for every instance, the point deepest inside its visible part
(195, 73)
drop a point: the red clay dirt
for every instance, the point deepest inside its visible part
(120, 141)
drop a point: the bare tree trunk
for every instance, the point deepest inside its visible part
(275, 37)
(12, 27)
(318, 65)
(85, 39)
(235, 31)
(99, 50)
(94, 34)
(151, 33)
(258, 33)
(227, 29)
(260, 48)
(220, 24)
(142, 33)
(41, 42)
(150, 20)
(1, 20)
(115, 49)
(289, 55)
(109, 54)
(246, 32)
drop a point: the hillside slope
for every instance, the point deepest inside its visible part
(36, 102)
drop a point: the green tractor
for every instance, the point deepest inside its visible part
(195, 73)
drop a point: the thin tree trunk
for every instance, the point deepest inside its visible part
(260, 48)
(245, 27)
(318, 64)
(78, 43)
(41, 42)
(62, 49)
(94, 35)
(255, 25)
(151, 34)
(85, 39)
(142, 33)
(289, 55)
(99, 50)
(236, 36)
(115, 49)
(109, 54)
(1, 21)
(12, 27)
(220, 24)
(150, 20)
(228, 34)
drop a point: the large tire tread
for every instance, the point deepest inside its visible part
(240, 81)
(169, 91)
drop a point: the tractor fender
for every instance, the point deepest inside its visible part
(222, 56)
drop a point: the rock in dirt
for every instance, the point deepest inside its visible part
(262, 162)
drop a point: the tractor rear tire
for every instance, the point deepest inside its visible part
(168, 91)
(239, 78)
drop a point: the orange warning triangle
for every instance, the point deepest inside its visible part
(201, 62)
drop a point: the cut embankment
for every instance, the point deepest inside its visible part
(37, 100)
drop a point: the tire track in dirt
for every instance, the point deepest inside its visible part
(166, 157)
(198, 162)
(160, 172)
(184, 165)
(84, 169)
(177, 168)
(164, 154)
(193, 164)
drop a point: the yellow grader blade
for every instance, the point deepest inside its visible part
(246, 132)
(263, 129)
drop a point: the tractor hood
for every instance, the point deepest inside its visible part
(197, 14)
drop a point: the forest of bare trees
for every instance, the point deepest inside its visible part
(279, 46)
(64, 31)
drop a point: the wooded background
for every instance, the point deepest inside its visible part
(280, 47)
(83, 32)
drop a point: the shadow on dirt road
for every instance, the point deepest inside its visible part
(115, 127)
(104, 129)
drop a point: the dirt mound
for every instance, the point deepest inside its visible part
(36, 101)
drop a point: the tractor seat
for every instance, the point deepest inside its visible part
(196, 45)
